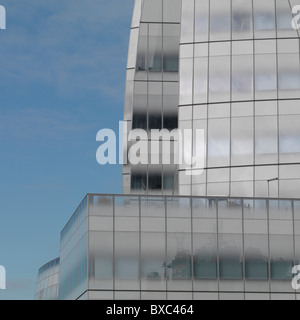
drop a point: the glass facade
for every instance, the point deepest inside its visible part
(232, 69)
(240, 83)
(74, 255)
(151, 100)
(174, 247)
(48, 281)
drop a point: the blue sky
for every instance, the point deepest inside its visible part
(62, 78)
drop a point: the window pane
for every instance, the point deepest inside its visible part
(139, 181)
(101, 260)
(186, 81)
(171, 10)
(281, 245)
(242, 136)
(200, 80)
(100, 205)
(187, 21)
(218, 142)
(284, 18)
(155, 181)
(231, 262)
(219, 78)
(220, 18)
(205, 256)
(141, 63)
(170, 49)
(242, 19)
(201, 20)
(179, 244)
(205, 244)
(288, 68)
(242, 77)
(230, 244)
(153, 257)
(127, 260)
(289, 136)
(297, 231)
(155, 49)
(256, 257)
(266, 139)
(281, 257)
(256, 246)
(152, 11)
(264, 18)
(265, 76)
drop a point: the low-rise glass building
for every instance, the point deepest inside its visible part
(154, 247)
(48, 281)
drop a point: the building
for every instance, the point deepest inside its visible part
(240, 82)
(232, 69)
(48, 281)
(151, 99)
(173, 247)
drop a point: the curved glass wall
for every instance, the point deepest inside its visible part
(151, 100)
(234, 233)
(240, 83)
(73, 255)
(48, 281)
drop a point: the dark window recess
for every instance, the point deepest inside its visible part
(139, 121)
(155, 64)
(155, 182)
(281, 269)
(138, 181)
(171, 63)
(170, 122)
(256, 268)
(155, 121)
(141, 62)
(168, 182)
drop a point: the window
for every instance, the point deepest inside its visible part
(170, 121)
(154, 121)
(220, 18)
(139, 121)
(241, 19)
(155, 182)
(264, 18)
(265, 76)
(168, 181)
(138, 181)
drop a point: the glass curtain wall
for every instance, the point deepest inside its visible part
(74, 254)
(48, 281)
(151, 101)
(154, 247)
(240, 83)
